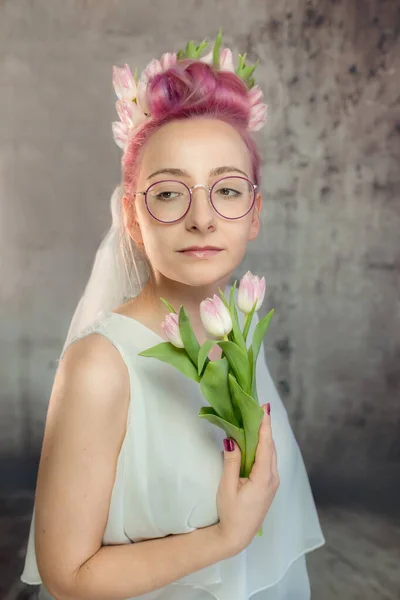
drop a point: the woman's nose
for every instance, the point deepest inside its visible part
(201, 212)
(201, 196)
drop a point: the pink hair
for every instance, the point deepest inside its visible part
(188, 89)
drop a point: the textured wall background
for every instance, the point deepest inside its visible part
(331, 225)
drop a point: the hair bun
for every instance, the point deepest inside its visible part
(195, 88)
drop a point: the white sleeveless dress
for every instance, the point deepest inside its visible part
(168, 473)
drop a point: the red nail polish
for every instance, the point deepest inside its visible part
(229, 445)
(268, 408)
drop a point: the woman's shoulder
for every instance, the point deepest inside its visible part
(94, 357)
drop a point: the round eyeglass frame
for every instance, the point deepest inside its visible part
(193, 187)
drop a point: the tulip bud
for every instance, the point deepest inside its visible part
(226, 61)
(168, 60)
(251, 289)
(124, 83)
(120, 133)
(255, 95)
(170, 327)
(208, 58)
(215, 317)
(153, 68)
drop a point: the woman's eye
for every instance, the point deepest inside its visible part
(166, 195)
(225, 191)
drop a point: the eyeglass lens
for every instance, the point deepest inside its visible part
(232, 198)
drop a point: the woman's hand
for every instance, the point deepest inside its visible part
(243, 502)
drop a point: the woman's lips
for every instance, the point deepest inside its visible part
(200, 253)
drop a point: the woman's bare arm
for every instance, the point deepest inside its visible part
(120, 572)
(85, 427)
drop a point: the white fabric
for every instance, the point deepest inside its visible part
(119, 272)
(168, 473)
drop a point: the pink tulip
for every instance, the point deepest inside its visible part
(170, 326)
(226, 61)
(215, 317)
(255, 95)
(251, 289)
(142, 96)
(168, 60)
(258, 116)
(120, 133)
(124, 83)
(153, 68)
(208, 58)
(129, 113)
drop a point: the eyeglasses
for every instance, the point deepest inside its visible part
(169, 201)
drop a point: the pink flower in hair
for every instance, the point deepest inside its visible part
(207, 58)
(258, 116)
(168, 60)
(142, 96)
(129, 113)
(120, 133)
(124, 83)
(155, 67)
(255, 95)
(258, 112)
(226, 61)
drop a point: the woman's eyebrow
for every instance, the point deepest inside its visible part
(181, 173)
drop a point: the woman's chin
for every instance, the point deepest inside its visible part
(201, 275)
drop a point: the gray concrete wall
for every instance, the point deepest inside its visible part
(331, 224)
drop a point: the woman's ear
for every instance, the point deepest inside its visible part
(256, 217)
(131, 222)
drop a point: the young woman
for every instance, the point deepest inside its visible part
(134, 496)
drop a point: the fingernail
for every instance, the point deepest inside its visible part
(268, 408)
(229, 445)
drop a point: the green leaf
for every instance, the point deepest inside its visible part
(256, 342)
(232, 294)
(237, 434)
(215, 389)
(180, 54)
(200, 48)
(253, 372)
(237, 334)
(259, 332)
(217, 48)
(189, 339)
(187, 49)
(167, 304)
(239, 363)
(242, 58)
(192, 50)
(177, 357)
(252, 415)
(224, 300)
(247, 321)
(249, 70)
(203, 354)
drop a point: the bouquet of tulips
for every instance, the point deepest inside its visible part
(228, 384)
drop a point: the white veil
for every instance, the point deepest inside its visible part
(119, 272)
